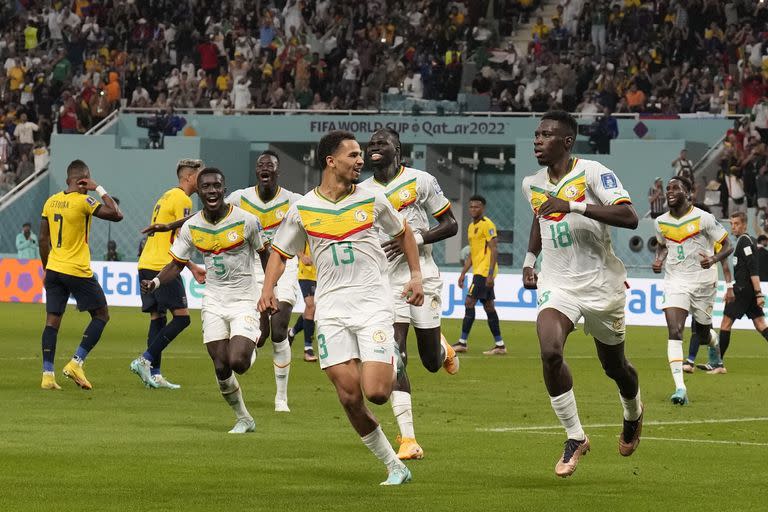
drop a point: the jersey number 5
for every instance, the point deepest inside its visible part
(219, 265)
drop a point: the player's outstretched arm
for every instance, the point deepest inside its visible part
(274, 269)
(169, 273)
(530, 279)
(413, 292)
(44, 241)
(722, 256)
(160, 228)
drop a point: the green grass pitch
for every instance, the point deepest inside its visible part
(123, 447)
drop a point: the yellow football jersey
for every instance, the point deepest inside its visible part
(307, 272)
(175, 204)
(69, 221)
(480, 233)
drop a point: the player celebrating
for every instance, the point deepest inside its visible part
(355, 336)
(748, 297)
(67, 262)
(306, 321)
(686, 236)
(173, 205)
(228, 237)
(574, 202)
(269, 203)
(416, 195)
(483, 255)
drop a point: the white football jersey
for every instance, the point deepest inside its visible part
(576, 251)
(417, 196)
(688, 238)
(270, 213)
(229, 250)
(351, 265)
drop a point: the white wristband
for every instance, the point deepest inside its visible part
(578, 207)
(101, 191)
(419, 239)
(530, 260)
(157, 282)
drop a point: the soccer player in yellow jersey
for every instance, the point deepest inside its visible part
(66, 257)
(306, 321)
(483, 257)
(173, 205)
(355, 336)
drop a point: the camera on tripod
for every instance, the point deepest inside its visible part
(155, 126)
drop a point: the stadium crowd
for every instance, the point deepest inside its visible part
(68, 64)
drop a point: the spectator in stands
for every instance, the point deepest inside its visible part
(682, 165)
(412, 85)
(5, 147)
(656, 199)
(112, 254)
(7, 180)
(25, 167)
(603, 131)
(26, 243)
(736, 194)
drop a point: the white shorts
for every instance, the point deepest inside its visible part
(426, 316)
(341, 340)
(695, 298)
(239, 318)
(288, 284)
(603, 315)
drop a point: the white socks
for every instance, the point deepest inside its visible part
(230, 390)
(377, 442)
(281, 360)
(632, 407)
(401, 406)
(675, 357)
(565, 409)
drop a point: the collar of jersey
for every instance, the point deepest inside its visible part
(402, 169)
(562, 180)
(202, 213)
(277, 193)
(321, 196)
(683, 215)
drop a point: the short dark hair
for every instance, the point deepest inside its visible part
(685, 181)
(211, 170)
(477, 197)
(76, 168)
(563, 117)
(762, 238)
(740, 215)
(391, 132)
(26, 224)
(191, 163)
(330, 143)
(269, 152)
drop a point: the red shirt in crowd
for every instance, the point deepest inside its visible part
(752, 89)
(208, 56)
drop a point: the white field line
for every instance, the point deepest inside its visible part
(619, 425)
(668, 439)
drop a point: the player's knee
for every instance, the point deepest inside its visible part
(223, 371)
(102, 314)
(182, 320)
(279, 333)
(240, 365)
(350, 399)
(551, 357)
(377, 396)
(489, 307)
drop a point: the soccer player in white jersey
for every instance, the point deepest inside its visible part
(687, 236)
(353, 303)
(416, 195)
(575, 202)
(229, 239)
(269, 202)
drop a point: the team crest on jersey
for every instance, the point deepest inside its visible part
(435, 303)
(232, 236)
(379, 336)
(280, 214)
(571, 191)
(618, 324)
(361, 216)
(404, 194)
